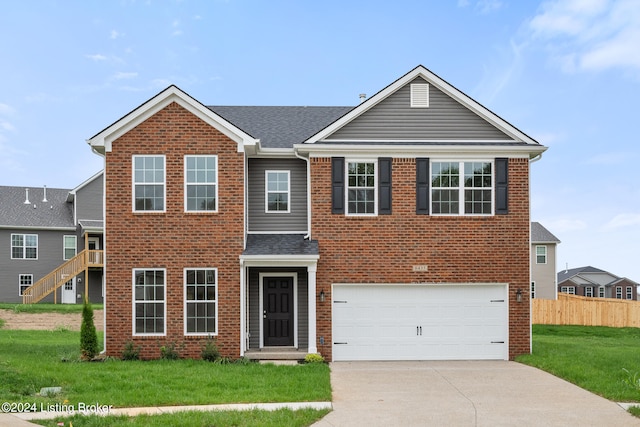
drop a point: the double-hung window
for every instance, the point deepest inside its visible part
(601, 291)
(201, 183)
(629, 292)
(69, 247)
(24, 246)
(619, 292)
(201, 301)
(568, 290)
(361, 188)
(462, 188)
(149, 309)
(278, 190)
(24, 281)
(541, 254)
(588, 291)
(148, 183)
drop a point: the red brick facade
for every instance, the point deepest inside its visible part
(173, 240)
(383, 249)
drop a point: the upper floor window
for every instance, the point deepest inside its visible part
(278, 189)
(24, 281)
(149, 302)
(69, 247)
(149, 183)
(201, 183)
(462, 188)
(541, 254)
(361, 188)
(24, 246)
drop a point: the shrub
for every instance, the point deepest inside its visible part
(88, 336)
(130, 352)
(313, 358)
(632, 380)
(210, 350)
(169, 352)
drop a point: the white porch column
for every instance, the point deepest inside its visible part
(311, 272)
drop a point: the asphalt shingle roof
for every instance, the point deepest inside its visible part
(280, 127)
(56, 212)
(280, 244)
(539, 234)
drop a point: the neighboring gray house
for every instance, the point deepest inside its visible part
(592, 282)
(543, 262)
(43, 234)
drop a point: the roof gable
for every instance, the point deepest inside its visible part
(539, 234)
(445, 95)
(102, 141)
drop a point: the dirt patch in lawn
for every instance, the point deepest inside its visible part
(48, 321)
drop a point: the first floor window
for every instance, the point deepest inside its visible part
(588, 291)
(361, 188)
(149, 302)
(619, 292)
(601, 291)
(24, 246)
(462, 188)
(148, 183)
(277, 186)
(201, 183)
(541, 254)
(69, 247)
(568, 290)
(24, 281)
(629, 292)
(201, 301)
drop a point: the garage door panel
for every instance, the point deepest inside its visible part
(420, 322)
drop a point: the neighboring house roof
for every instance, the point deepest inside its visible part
(539, 234)
(588, 275)
(54, 213)
(280, 244)
(72, 193)
(280, 127)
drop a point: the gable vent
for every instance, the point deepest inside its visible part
(420, 95)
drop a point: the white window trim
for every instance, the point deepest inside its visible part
(294, 276)
(601, 292)
(461, 186)
(133, 303)
(24, 246)
(588, 291)
(193, 183)
(375, 186)
(629, 292)
(64, 247)
(618, 292)
(133, 184)
(419, 95)
(571, 290)
(20, 276)
(266, 190)
(545, 254)
(184, 280)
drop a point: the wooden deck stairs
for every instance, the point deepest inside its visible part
(62, 274)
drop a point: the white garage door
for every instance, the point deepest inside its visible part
(420, 322)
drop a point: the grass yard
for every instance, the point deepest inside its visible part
(591, 357)
(30, 360)
(46, 307)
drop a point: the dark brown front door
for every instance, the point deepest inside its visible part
(278, 311)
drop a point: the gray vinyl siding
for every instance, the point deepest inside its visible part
(255, 317)
(296, 219)
(394, 119)
(89, 200)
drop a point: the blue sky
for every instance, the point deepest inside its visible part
(565, 72)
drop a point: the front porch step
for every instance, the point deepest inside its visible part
(276, 353)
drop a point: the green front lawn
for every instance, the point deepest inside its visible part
(30, 360)
(591, 357)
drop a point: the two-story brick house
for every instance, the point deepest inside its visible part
(395, 229)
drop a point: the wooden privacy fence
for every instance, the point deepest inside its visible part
(586, 311)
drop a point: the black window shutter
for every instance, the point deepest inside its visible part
(502, 186)
(422, 186)
(384, 185)
(337, 185)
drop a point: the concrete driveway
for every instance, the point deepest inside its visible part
(462, 393)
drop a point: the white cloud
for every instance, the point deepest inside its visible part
(115, 34)
(483, 6)
(124, 76)
(6, 109)
(622, 220)
(6, 126)
(97, 57)
(590, 35)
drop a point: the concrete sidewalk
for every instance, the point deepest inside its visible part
(462, 393)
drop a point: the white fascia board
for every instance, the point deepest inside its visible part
(103, 140)
(412, 151)
(283, 153)
(73, 192)
(278, 260)
(445, 87)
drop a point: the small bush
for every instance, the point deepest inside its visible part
(169, 352)
(88, 336)
(130, 352)
(313, 358)
(632, 380)
(210, 350)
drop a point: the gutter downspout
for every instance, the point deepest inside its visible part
(532, 160)
(306, 159)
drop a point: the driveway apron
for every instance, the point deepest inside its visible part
(462, 393)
